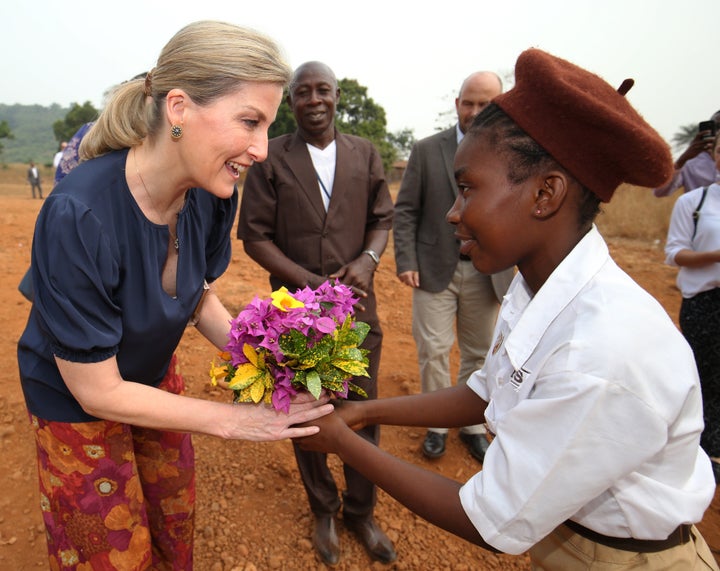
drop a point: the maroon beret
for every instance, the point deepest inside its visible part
(587, 126)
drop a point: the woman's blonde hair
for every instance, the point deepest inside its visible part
(207, 60)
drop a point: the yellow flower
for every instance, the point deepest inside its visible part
(217, 373)
(284, 301)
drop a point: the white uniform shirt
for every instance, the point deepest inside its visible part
(692, 281)
(595, 402)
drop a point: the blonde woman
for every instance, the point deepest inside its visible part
(123, 251)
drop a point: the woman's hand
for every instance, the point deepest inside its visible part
(262, 423)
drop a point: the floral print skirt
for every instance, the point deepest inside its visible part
(115, 496)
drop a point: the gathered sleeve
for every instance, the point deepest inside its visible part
(75, 272)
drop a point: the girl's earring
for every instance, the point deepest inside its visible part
(176, 132)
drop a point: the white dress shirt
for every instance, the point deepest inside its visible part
(595, 402)
(324, 162)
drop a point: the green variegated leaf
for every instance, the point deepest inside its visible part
(331, 374)
(269, 382)
(345, 336)
(356, 389)
(293, 344)
(314, 385)
(294, 347)
(361, 330)
(333, 385)
(245, 375)
(350, 354)
(245, 395)
(300, 380)
(311, 358)
(354, 368)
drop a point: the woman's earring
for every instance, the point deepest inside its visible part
(176, 132)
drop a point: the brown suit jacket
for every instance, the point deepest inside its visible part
(281, 202)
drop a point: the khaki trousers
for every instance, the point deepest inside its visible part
(564, 550)
(468, 305)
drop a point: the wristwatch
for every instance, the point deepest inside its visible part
(373, 254)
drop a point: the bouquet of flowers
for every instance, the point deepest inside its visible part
(308, 340)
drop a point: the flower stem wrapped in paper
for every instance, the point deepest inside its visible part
(308, 340)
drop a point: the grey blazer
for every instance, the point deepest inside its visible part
(424, 241)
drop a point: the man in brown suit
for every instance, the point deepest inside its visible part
(319, 207)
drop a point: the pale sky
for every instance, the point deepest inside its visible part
(412, 56)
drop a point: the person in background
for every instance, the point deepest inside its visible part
(33, 177)
(70, 157)
(319, 208)
(58, 155)
(693, 245)
(448, 292)
(125, 250)
(590, 389)
(71, 154)
(696, 166)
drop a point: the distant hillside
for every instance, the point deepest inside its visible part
(32, 127)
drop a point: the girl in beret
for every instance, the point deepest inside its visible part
(590, 391)
(693, 244)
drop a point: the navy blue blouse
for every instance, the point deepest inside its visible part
(97, 265)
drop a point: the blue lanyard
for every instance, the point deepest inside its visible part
(325, 190)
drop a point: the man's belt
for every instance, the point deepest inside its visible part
(680, 536)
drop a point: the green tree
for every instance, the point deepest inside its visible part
(358, 114)
(684, 136)
(5, 133)
(284, 121)
(76, 117)
(403, 142)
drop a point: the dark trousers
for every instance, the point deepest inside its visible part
(358, 500)
(700, 324)
(36, 184)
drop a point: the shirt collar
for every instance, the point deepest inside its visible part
(530, 316)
